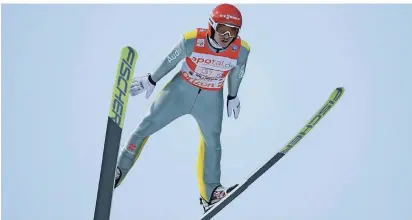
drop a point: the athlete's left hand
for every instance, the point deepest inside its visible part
(142, 83)
(233, 105)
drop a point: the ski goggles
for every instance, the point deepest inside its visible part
(223, 29)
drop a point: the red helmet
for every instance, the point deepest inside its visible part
(227, 18)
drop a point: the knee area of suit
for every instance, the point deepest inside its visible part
(211, 138)
(138, 134)
(142, 131)
(213, 144)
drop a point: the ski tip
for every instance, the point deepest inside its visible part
(127, 49)
(340, 88)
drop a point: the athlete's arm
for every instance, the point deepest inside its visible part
(236, 74)
(170, 62)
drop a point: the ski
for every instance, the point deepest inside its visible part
(332, 100)
(117, 113)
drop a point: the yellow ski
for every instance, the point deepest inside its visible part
(332, 100)
(117, 113)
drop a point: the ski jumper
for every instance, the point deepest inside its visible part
(197, 89)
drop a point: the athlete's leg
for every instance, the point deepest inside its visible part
(208, 112)
(170, 104)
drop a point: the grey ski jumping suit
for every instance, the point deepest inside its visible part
(194, 90)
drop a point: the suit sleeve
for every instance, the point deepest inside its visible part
(236, 74)
(170, 62)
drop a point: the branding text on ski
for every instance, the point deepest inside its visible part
(338, 92)
(122, 84)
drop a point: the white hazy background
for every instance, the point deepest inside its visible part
(59, 64)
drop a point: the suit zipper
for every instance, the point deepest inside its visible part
(193, 105)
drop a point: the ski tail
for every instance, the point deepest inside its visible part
(332, 100)
(115, 122)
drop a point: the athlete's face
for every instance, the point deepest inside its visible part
(225, 34)
(223, 40)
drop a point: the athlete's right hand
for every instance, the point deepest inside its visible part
(142, 83)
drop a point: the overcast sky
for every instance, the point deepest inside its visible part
(58, 69)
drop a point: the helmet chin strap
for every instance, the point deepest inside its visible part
(214, 43)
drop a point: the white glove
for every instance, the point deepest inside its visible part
(233, 105)
(140, 84)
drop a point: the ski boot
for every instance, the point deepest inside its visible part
(117, 177)
(218, 194)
